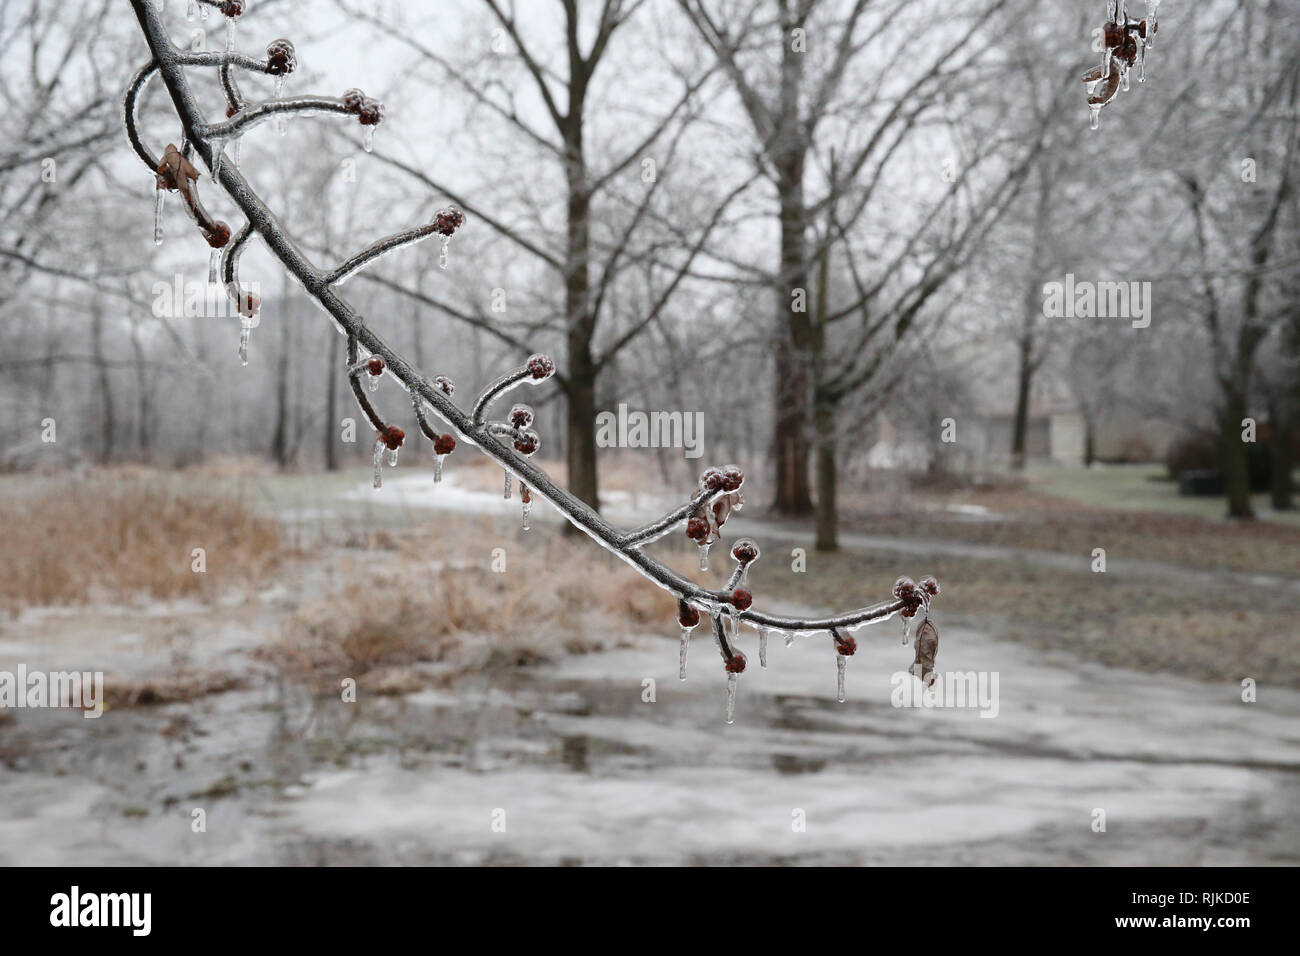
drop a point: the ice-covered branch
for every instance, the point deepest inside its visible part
(249, 117)
(444, 224)
(510, 444)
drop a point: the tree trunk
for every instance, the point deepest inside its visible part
(332, 403)
(1284, 438)
(1233, 461)
(581, 386)
(790, 442)
(280, 438)
(1024, 388)
(104, 386)
(827, 506)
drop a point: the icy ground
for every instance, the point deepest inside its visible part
(581, 769)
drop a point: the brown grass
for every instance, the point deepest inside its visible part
(398, 608)
(119, 535)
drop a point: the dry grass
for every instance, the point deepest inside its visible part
(119, 534)
(400, 608)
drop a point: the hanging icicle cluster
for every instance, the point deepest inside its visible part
(513, 442)
(1125, 42)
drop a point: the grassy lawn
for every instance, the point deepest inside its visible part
(1139, 488)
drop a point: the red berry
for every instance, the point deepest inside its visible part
(735, 664)
(930, 585)
(352, 100)
(742, 599)
(541, 366)
(218, 235)
(232, 8)
(446, 384)
(697, 529)
(528, 443)
(375, 366)
(846, 646)
(444, 445)
(732, 478)
(370, 112)
(393, 437)
(688, 616)
(712, 479)
(525, 495)
(904, 588)
(280, 57)
(521, 416)
(745, 551)
(447, 221)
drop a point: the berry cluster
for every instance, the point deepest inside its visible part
(541, 367)
(369, 111)
(445, 385)
(280, 57)
(915, 594)
(1125, 41)
(232, 8)
(375, 365)
(392, 437)
(448, 220)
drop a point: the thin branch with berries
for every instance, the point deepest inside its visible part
(511, 442)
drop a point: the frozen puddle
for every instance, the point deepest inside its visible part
(569, 764)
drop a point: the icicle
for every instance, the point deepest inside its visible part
(681, 655)
(203, 12)
(1112, 10)
(215, 169)
(762, 647)
(392, 457)
(1123, 75)
(732, 679)
(1094, 115)
(1105, 69)
(368, 140)
(733, 617)
(379, 460)
(230, 34)
(1142, 60)
(437, 466)
(1151, 21)
(158, 216)
(214, 260)
(527, 500)
(192, 10)
(245, 333)
(279, 84)
(446, 241)
(704, 557)
(234, 150)
(906, 633)
(506, 495)
(789, 638)
(841, 665)
(372, 382)
(281, 126)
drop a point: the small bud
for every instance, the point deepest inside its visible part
(712, 479)
(697, 529)
(732, 478)
(528, 443)
(735, 664)
(280, 57)
(745, 551)
(541, 366)
(445, 384)
(447, 221)
(521, 416)
(352, 100)
(375, 366)
(930, 585)
(392, 437)
(370, 112)
(232, 8)
(742, 599)
(688, 616)
(218, 235)
(444, 445)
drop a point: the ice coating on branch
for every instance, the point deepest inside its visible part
(688, 618)
(192, 10)
(762, 647)
(442, 447)
(245, 334)
(732, 681)
(379, 459)
(526, 497)
(214, 260)
(506, 492)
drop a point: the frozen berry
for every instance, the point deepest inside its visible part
(525, 495)
(375, 366)
(528, 443)
(447, 221)
(735, 664)
(541, 366)
(393, 437)
(232, 8)
(745, 551)
(697, 529)
(1113, 34)
(732, 478)
(845, 646)
(444, 445)
(904, 588)
(688, 616)
(247, 304)
(930, 585)
(218, 235)
(521, 416)
(370, 112)
(742, 599)
(443, 382)
(280, 57)
(352, 100)
(712, 479)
